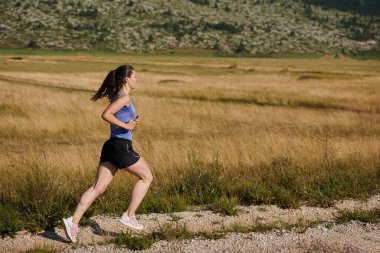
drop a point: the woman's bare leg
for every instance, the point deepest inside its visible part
(106, 172)
(142, 171)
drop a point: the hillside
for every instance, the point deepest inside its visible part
(242, 26)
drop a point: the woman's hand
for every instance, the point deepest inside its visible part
(131, 124)
(137, 119)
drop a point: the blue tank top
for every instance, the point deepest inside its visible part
(125, 114)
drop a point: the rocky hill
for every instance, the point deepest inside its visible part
(239, 26)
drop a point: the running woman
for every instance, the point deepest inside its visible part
(117, 152)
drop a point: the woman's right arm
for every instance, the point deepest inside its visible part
(108, 114)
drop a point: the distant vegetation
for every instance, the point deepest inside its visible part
(217, 26)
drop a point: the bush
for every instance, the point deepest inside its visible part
(201, 2)
(134, 242)
(223, 26)
(91, 13)
(225, 205)
(9, 221)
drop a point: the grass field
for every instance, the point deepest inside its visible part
(284, 131)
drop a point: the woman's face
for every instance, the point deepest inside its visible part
(131, 81)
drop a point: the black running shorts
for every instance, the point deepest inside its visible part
(119, 151)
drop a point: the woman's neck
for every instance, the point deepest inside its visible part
(126, 89)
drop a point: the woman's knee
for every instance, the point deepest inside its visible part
(145, 174)
(148, 176)
(141, 170)
(99, 189)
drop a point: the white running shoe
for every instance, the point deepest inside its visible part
(131, 221)
(71, 229)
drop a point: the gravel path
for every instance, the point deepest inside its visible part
(350, 237)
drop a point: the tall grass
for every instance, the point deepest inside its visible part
(306, 141)
(44, 195)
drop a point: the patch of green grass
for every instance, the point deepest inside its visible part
(371, 216)
(41, 249)
(213, 235)
(271, 55)
(262, 209)
(175, 217)
(367, 55)
(340, 180)
(201, 183)
(172, 231)
(238, 227)
(282, 184)
(42, 199)
(163, 202)
(262, 227)
(10, 221)
(303, 225)
(225, 205)
(134, 242)
(286, 185)
(37, 200)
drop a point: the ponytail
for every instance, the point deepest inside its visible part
(113, 82)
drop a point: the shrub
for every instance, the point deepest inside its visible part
(225, 205)
(134, 242)
(201, 2)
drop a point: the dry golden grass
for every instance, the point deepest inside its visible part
(174, 119)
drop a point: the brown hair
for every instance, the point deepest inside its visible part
(113, 82)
